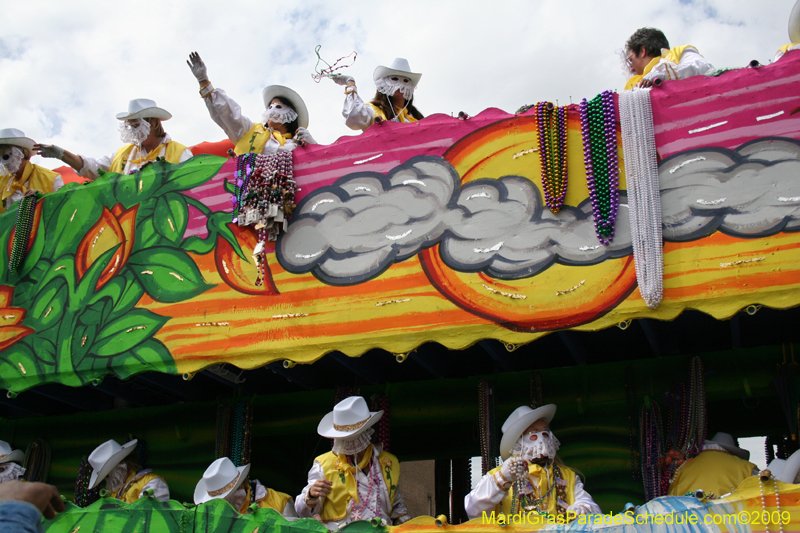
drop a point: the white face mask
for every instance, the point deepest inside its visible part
(10, 472)
(134, 131)
(544, 445)
(353, 446)
(391, 84)
(236, 498)
(280, 113)
(116, 477)
(10, 159)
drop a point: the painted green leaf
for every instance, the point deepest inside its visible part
(168, 274)
(151, 355)
(229, 187)
(49, 306)
(192, 173)
(84, 337)
(139, 187)
(127, 332)
(45, 352)
(66, 222)
(196, 245)
(146, 235)
(171, 216)
(217, 224)
(124, 291)
(19, 368)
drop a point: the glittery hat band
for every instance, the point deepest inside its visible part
(224, 489)
(351, 427)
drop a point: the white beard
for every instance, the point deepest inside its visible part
(116, 477)
(388, 87)
(353, 446)
(135, 133)
(534, 450)
(282, 115)
(10, 160)
(12, 472)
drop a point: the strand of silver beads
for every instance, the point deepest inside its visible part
(644, 195)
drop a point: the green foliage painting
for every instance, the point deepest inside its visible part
(68, 314)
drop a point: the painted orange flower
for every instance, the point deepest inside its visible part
(10, 317)
(238, 273)
(117, 226)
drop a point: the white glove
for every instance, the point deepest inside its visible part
(198, 67)
(304, 135)
(341, 79)
(577, 509)
(51, 151)
(510, 471)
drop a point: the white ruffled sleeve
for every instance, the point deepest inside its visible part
(228, 115)
(484, 497)
(691, 64)
(160, 489)
(357, 114)
(91, 166)
(300, 507)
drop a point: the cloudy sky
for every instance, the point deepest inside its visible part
(66, 68)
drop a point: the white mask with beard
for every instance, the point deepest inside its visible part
(10, 472)
(280, 113)
(116, 477)
(391, 84)
(134, 131)
(353, 446)
(236, 498)
(10, 159)
(545, 445)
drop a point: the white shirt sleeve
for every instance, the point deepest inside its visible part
(160, 489)
(583, 500)
(691, 64)
(399, 510)
(228, 115)
(300, 507)
(187, 154)
(357, 114)
(484, 497)
(91, 165)
(58, 182)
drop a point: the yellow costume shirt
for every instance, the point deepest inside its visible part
(713, 471)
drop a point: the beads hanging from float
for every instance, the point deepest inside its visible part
(552, 123)
(599, 131)
(24, 225)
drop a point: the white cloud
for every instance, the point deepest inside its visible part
(66, 68)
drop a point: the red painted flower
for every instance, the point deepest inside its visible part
(10, 317)
(114, 227)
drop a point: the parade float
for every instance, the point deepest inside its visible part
(422, 263)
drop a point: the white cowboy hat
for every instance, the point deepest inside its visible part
(518, 422)
(725, 440)
(219, 480)
(284, 92)
(7, 455)
(786, 470)
(15, 137)
(350, 418)
(143, 108)
(399, 67)
(106, 457)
